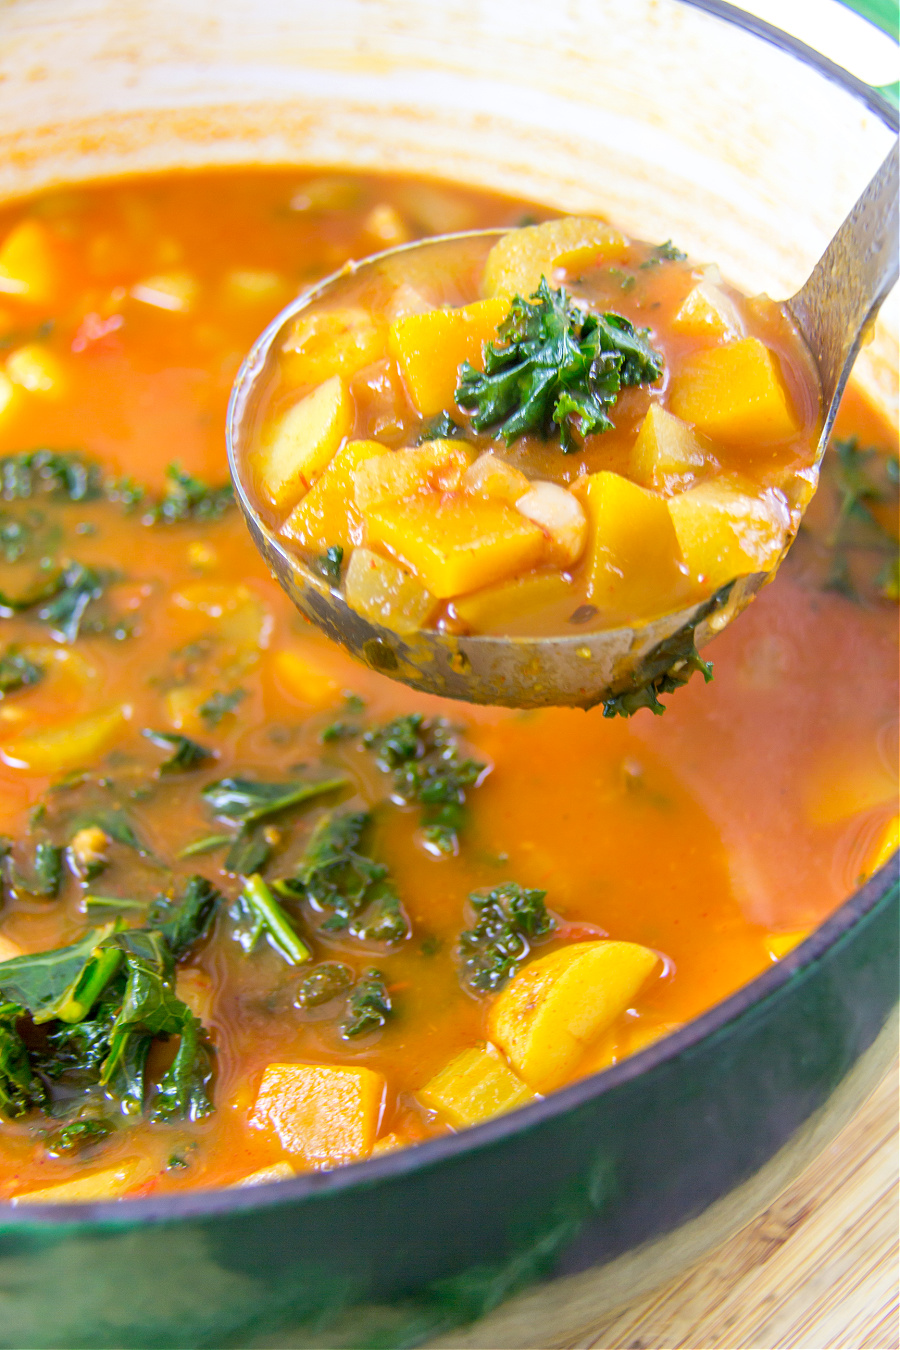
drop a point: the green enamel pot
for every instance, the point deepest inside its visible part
(677, 119)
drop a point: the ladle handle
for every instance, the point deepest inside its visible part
(849, 283)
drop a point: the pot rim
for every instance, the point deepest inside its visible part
(224, 1200)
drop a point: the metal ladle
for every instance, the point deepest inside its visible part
(833, 312)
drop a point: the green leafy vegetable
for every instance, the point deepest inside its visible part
(666, 252)
(368, 1005)
(114, 823)
(323, 983)
(558, 368)
(351, 889)
(686, 659)
(189, 498)
(440, 428)
(20, 1088)
(208, 844)
(328, 564)
(61, 984)
(77, 1136)
(18, 671)
(864, 481)
(258, 913)
(250, 851)
(63, 475)
(509, 919)
(184, 919)
(76, 588)
(219, 705)
(186, 754)
(423, 756)
(339, 731)
(244, 800)
(183, 1093)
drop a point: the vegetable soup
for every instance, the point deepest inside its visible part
(265, 911)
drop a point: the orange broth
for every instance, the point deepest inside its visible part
(717, 835)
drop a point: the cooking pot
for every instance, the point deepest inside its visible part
(677, 119)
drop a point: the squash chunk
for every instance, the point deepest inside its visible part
(708, 312)
(735, 394)
(491, 476)
(666, 454)
(325, 1114)
(430, 348)
(304, 441)
(547, 1017)
(327, 515)
(474, 1086)
(501, 608)
(107, 1184)
(38, 370)
(517, 262)
(384, 593)
(725, 533)
(455, 544)
(436, 466)
(29, 269)
(304, 677)
(633, 559)
(69, 746)
(331, 342)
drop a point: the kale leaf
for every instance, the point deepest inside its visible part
(219, 705)
(323, 983)
(20, 1088)
(59, 474)
(423, 756)
(256, 913)
(440, 428)
(76, 588)
(328, 564)
(184, 919)
(182, 1092)
(508, 919)
(77, 1136)
(558, 368)
(244, 800)
(685, 661)
(189, 498)
(185, 753)
(865, 484)
(368, 1005)
(18, 671)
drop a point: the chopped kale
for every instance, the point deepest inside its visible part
(114, 823)
(250, 851)
(20, 1087)
(244, 800)
(509, 919)
(423, 756)
(352, 890)
(324, 983)
(189, 498)
(368, 1005)
(183, 1090)
(864, 482)
(58, 474)
(18, 671)
(76, 587)
(77, 1136)
(339, 731)
(44, 877)
(257, 913)
(558, 368)
(185, 753)
(219, 705)
(440, 428)
(647, 695)
(666, 252)
(184, 919)
(208, 844)
(328, 564)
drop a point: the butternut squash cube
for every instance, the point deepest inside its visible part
(106, 1184)
(455, 544)
(667, 454)
(550, 1013)
(725, 533)
(386, 594)
(304, 677)
(331, 342)
(436, 466)
(707, 312)
(37, 370)
(735, 394)
(517, 262)
(72, 745)
(633, 561)
(430, 348)
(29, 269)
(491, 476)
(325, 1114)
(174, 292)
(506, 607)
(328, 515)
(304, 441)
(779, 945)
(477, 1085)
(280, 1171)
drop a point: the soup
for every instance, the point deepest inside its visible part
(266, 911)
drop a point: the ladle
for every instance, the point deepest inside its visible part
(833, 312)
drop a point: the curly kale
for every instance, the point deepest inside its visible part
(558, 368)
(424, 758)
(368, 1005)
(509, 919)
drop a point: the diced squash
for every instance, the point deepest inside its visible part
(29, 268)
(706, 311)
(107, 1184)
(436, 466)
(304, 441)
(10, 398)
(779, 944)
(455, 544)
(735, 394)
(386, 594)
(331, 342)
(561, 516)
(249, 286)
(280, 1171)
(242, 621)
(430, 348)
(38, 370)
(517, 262)
(388, 1143)
(501, 608)
(548, 1015)
(325, 1114)
(667, 454)
(328, 515)
(491, 476)
(176, 292)
(633, 565)
(304, 677)
(72, 745)
(477, 1085)
(182, 705)
(725, 533)
(385, 226)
